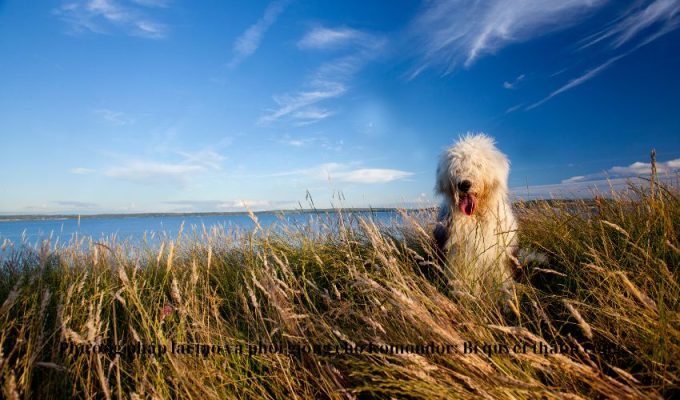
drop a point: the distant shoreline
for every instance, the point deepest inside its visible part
(53, 217)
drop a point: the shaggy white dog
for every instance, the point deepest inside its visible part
(476, 229)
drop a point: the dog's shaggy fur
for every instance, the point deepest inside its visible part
(476, 229)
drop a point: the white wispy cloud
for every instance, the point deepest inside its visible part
(191, 165)
(244, 204)
(574, 189)
(207, 158)
(108, 16)
(228, 205)
(590, 74)
(513, 84)
(150, 29)
(81, 170)
(639, 26)
(514, 108)
(454, 32)
(330, 80)
(451, 33)
(114, 117)
(635, 169)
(289, 104)
(317, 141)
(246, 44)
(578, 178)
(311, 115)
(349, 173)
(326, 38)
(647, 19)
(617, 178)
(372, 175)
(298, 141)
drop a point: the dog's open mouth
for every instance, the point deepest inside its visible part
(467, 203)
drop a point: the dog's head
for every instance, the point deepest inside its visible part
(472, 172)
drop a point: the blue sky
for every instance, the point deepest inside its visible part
(171, 105)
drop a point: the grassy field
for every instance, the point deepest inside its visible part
(349, 309)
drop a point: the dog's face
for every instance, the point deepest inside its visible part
(471, 173)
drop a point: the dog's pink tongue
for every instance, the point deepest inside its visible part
(467, 204)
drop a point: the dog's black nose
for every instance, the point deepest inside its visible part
(464, 186)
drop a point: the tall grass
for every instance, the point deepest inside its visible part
(608, 294)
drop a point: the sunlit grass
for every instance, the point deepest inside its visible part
(608, 293)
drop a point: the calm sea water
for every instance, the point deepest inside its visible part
(132, 228)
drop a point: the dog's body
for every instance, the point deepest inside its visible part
(476, 228)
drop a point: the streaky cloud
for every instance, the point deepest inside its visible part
(645, 23)
(373, 175)
(616, 178)
(635, 169)
(458, 32)
(590, 74)
(348, 173)
(228, 205)
(572, 190)
(249, 41)
(330, 80)
(292, 103)
(514, 83)
(514, 108)
(326, 38)
(113, 117)
(81, 170)
(106, 16)
(653, 19)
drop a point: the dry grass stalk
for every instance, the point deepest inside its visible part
(585, 328)
(349, 282)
